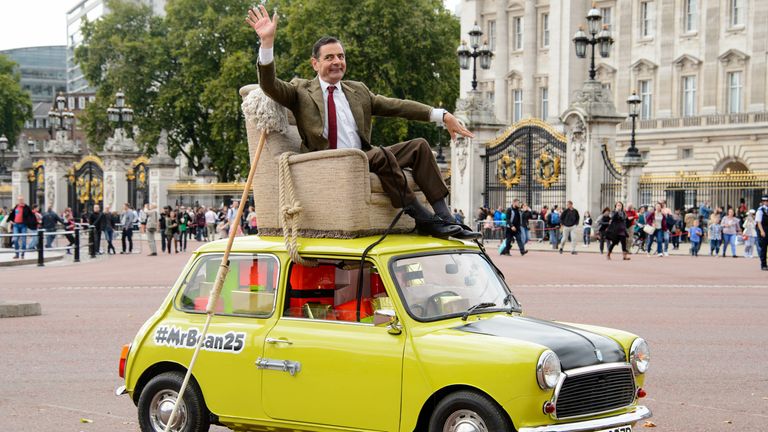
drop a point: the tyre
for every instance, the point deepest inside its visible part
(468, 411)
(158, 398)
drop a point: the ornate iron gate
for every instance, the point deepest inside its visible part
(138, 182)
(86, 185)
(526, 162)
(611, 188)
(36, 178)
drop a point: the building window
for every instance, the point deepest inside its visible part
(517, 24)
(491, 97)
(736, 13)
(646, 99)
(686, 153)
(492, 35)
(646, 19)
(689, 96)
(691, 15)
(544, 102)
(81, 102)
(606, 86)
(607, 17)
(735, 85)
(517, 105)
(545, 30)
(71, 102)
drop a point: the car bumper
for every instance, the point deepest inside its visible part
(639, 413)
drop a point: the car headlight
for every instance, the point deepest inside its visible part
(548, 370)
(640, 355)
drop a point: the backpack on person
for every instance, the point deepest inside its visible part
(555, 218)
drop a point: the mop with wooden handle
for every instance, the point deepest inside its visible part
(266, 121)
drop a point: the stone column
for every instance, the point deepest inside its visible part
(590, 121)
(632, 167)
(162, 170)
(56, 183)
(19, 182)
(115, 182)
(467, 167)
(530, 55)
(501, 60)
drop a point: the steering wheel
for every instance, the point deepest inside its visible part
(431, 303)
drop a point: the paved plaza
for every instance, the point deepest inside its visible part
(704, 319)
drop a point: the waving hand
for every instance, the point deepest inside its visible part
(259, 20)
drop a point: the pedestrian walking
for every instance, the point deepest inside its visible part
(570, 226)
(210, 224)
(127, 219)
(587, 228)
(617, 230)
(731, 229)
(98, 220)
(22, 219)
(152, 227)
(602, 227)
(750, 234)
(513, 231)
(694, 235)
(50, 219)
(715, 234)
(553, 226)
(761, 221)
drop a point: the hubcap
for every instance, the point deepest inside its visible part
(160, 411)
(464, 421)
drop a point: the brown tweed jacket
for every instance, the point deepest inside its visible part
(305, 99)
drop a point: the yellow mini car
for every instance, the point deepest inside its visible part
(416, 334)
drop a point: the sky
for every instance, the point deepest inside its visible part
(28, 23)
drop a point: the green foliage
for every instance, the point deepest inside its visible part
(15, 104)
(182, 72)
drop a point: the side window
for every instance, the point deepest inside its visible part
(249, 288)
(329, 292)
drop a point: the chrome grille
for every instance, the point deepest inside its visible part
(594, 392)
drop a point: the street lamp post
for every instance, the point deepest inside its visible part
(483, 53)
(120, 113)
(59, 117)
(3, 149)
(440, 158)
(634, 105)
(596, 37)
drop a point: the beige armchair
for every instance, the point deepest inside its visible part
(339, 197)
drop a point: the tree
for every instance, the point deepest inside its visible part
(15, 103)
(182, 72)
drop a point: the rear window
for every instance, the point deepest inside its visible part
(249, 288)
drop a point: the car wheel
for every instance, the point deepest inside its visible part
(467, 411)
(158, 398)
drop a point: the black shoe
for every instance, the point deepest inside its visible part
(467, 234)
(572, 253)
(764, 269)
(436, 227)
(523, 252)
(561, 251)
(153, 254)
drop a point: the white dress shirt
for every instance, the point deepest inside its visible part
(346, 128)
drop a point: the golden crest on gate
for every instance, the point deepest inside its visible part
(547, 169)
(509, 171)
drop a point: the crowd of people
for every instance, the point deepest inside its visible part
(650, 229)
(172, 226)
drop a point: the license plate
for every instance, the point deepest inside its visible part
(618, 429)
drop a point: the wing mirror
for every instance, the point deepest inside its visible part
(387, 318)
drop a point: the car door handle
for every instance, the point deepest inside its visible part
(277, 341)
(292, 367)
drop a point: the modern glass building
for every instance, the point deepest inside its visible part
(43, 70)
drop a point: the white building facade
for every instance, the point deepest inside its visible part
(699, 67)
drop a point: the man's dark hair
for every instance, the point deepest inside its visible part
(325, 40)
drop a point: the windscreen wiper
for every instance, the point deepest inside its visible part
(476, 307)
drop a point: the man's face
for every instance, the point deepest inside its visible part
(96, 208)
(21, 200)
(330, 64)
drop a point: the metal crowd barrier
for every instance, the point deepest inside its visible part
(40, 248)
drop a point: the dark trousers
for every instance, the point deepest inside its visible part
(128, 235)
(415, 154)
(513, 235)
(163, 242)
(97, 240)
(763, 246)
(619, 239)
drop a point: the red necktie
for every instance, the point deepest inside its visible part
(331, 119)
